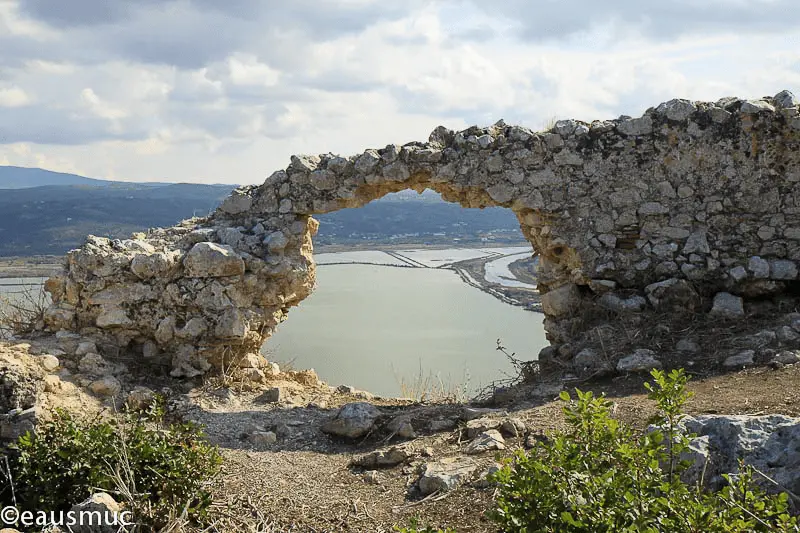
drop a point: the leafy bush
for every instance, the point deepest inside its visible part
(600, 477)
(154, 469)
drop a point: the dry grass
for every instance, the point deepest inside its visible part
(429, 387)
(524, 372)
(550, 123)
(22, 310)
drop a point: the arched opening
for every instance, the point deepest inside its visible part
(622, 221)
(412, 293)
(211, 291)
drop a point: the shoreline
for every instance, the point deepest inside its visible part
(471, 271)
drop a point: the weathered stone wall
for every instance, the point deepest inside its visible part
(650, 214)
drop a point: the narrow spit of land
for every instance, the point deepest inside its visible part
(506, 273)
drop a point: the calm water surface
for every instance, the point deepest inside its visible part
(20, 288)
(372, 326)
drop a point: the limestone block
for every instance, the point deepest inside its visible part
(561, 301)
(677, 109)
(208, 260)
(727, 305)
(446, 474)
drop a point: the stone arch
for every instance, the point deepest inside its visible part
(682, 197)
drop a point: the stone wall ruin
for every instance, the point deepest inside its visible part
(693, 206)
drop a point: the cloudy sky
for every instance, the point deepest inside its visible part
(226, 90)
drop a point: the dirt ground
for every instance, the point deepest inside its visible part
(305, 481)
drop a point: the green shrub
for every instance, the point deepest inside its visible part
(599, 476)
(156, 470)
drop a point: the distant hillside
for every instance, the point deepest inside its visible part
(53, 219)
(56, 218)
(21, 178)
(405, 217)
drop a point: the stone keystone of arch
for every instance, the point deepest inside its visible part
(684, 196)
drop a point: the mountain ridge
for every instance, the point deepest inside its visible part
(52, 219)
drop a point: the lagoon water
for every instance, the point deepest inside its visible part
(20, 289)
(374, 327)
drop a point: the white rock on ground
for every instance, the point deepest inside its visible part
(353, 420)
(513, 427)
(641, 360)
(262, 438)
(479, 425)
(485, 442)
(471, 413)
(383, 458)
(446, 474)
(48, 362)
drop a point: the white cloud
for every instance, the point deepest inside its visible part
(99, 107)
(247, 70)
(212, 91)
(13, 97)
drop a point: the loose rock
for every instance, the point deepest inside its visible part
(384, 458)
(100, 505)
(642, 360)
(401, 426)
(353, 420)
(263, 438)
(727, 305)
(486, 441)
(107, 386)
(741, 359)
(445, 474)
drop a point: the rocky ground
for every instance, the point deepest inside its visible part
(305, 456)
